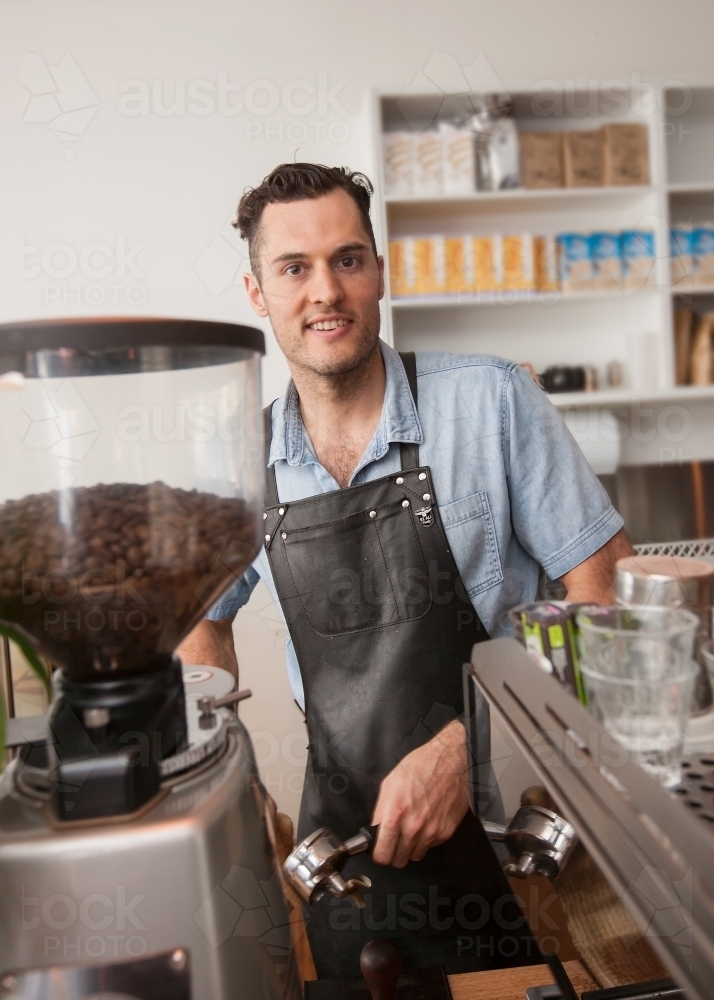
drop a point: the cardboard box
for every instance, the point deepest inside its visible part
(484, 251)
(574, 255)
(404, 268)
(460, 273)
(541, 155)
(583, 158)
(547, 271)
(703, 254)
(680, 249)
(459, 151)
(432, 276)
(626, 153)
(399, 164)
(606, 256)
(518, 262)
(637, 249)
(428, 165)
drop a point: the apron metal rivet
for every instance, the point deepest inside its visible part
(422, 475)
(405, 503)
(281, 511)
(284, 535)
(267, 538)
(265, 515)
(400, 480)
(373, 513)
(427, 496)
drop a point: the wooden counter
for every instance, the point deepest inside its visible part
(511, 984)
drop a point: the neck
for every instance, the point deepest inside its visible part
(341, 412)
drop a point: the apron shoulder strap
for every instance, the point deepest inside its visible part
(271, 483)
(410, 452)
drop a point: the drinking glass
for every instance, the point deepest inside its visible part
(639, 676)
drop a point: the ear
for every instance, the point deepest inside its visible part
(380, 265)
(255, 295)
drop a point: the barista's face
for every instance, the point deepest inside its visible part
(319, 283)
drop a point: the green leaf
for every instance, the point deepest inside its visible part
(30, 655)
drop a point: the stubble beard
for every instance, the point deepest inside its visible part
(337, 373)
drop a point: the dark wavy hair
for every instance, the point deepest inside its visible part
(293, 182)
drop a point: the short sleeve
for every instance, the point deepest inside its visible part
(236, 596)
(560, 511)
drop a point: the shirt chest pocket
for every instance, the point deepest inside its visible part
(469, 527)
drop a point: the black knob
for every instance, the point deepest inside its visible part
(381, 964)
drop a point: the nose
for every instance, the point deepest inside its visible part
(325, 286)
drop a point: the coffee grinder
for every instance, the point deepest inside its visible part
(135, 855)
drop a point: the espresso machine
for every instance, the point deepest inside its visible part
(135, 849)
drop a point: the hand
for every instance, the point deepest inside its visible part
(423, 800)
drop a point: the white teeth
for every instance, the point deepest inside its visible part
(331, 324)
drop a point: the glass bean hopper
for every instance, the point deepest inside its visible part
(131, 481)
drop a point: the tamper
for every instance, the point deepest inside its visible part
(381, 964)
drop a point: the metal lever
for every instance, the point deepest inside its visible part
(208, 704)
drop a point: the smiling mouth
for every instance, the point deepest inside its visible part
(329, 324)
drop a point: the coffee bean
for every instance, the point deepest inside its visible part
(164, 555)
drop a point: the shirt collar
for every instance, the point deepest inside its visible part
(399, 421)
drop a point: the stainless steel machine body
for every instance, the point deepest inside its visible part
(184, 901)
(656, 853)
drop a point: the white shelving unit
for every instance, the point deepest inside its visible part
(565, 328)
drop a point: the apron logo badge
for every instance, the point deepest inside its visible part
(425, 516)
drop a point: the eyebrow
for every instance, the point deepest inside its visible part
(297, 255)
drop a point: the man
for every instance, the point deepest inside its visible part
(409, 504)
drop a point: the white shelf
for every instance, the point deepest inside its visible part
(693, 187)
(524, 195)
(607, 397)
(692, 289)
(513, 297)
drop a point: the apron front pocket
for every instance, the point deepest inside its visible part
(360, 572)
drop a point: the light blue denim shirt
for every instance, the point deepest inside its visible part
(514, 489)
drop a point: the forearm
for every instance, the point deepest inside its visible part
(593, 581)
(211, 643)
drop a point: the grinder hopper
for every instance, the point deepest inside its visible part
(130, 498)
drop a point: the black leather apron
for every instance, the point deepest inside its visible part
(381, 625)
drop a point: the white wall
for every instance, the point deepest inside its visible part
(160, 189)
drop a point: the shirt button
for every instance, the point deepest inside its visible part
(427, 496)
(405, 503)
(284, 535)
(422, 475)
(267, 538)
(281, 511)
(400, 480)
(373, 513)
(265, 515)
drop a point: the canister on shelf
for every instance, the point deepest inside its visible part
(404, 267)
(428, 164)
(672, 582)
(432, 275)
(518, 262)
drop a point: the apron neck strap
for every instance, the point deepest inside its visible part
(271, 483)
(409, 452)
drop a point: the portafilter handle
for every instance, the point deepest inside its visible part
(314, 867)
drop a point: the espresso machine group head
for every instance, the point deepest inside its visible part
(132, 830)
